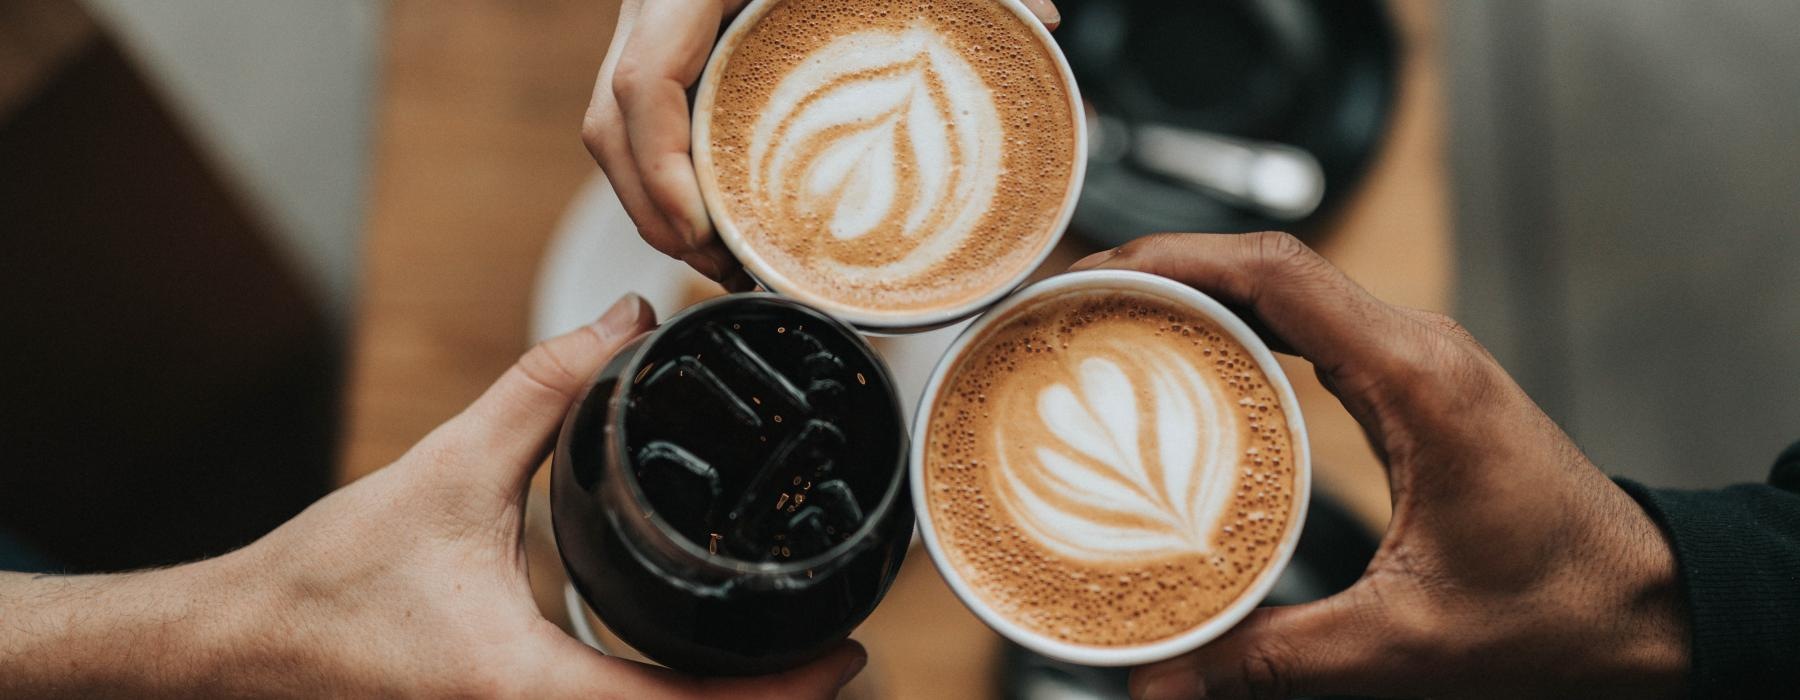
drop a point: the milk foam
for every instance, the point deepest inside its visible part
(881, 129)
(1093, 492)
(890, 156)
(1108, 468)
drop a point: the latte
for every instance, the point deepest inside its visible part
(891, 160)
(1108, 468)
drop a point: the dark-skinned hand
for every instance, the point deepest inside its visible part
(1512, 566)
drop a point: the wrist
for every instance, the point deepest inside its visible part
(214, 648)
(1653, 627)
(234, 640)
(1601, 615)
(1662, 653)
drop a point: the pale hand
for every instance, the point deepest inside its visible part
(637, 124)
(409, 582)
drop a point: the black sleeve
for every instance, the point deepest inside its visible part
(1738, 551)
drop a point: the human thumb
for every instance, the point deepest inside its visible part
(498, 441)
(1329, 646)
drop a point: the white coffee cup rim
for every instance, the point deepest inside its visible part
(1214, 626)
(758, 267)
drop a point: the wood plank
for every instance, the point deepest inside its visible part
(477, 150)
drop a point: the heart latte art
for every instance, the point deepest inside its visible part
(888, 136)
(890, 156)
(1107, 479)
(1108, 468)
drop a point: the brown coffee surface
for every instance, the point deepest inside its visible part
(892, 155)
(1108, 468)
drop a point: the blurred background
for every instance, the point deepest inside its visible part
(251, 250)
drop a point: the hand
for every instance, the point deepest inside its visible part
(409, 582)
(637, 125)
(1512, 567)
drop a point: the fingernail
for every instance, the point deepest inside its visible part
(703, 264)
(622, 316)
(1095, 260)
(688, 233)
(739, 281)
(850, 671)
(1046, 12)
(1180, 683)
(693, 223)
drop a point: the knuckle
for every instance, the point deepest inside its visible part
(1441, 320)
(1155, 241)
(1281, 258)
(548, 371)
(1263, 675)
(1141, 252)
(1422, 368)
(593, 134)
(1281, 249)
(1450, 349)
(1441, 367)
(1449, 326)
(1405, 624)
(628, 79)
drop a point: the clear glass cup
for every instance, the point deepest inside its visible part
(688, 602)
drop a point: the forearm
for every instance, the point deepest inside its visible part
(1644, 612)
(149, 633)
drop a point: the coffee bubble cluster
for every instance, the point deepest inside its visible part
(1141, 595)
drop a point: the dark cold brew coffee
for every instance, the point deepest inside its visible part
(729, 497)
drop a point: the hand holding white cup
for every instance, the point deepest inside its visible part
(1110, 468)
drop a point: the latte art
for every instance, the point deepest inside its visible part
(1107, 467)
(889, 160)
(888, 136)
(1117, 476)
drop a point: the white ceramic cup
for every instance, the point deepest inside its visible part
(1091, 655)
(758, 266)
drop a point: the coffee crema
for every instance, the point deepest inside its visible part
(893, 155)
(1108, 468)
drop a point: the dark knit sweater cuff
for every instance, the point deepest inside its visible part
(1738, 553)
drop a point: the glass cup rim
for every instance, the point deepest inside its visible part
(758, 267)
(722, 563)
(1212, 627)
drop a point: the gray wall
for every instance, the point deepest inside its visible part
(1628, 218)
(279, 94)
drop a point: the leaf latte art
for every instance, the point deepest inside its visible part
(888, 159)
(887, 137)
(1107, 467)
(1133, 456)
